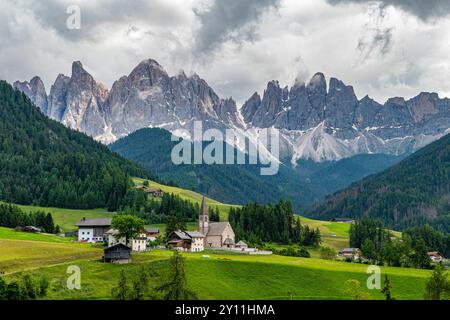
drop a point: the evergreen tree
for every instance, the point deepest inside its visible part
(176, 286)
(122, 291)
(438, 285)
(13, 291)
(140, 285)
(420, 257)
(43, 286)
(29, 287)
(3, 288)
(387, 288)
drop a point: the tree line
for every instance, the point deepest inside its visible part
(157, 210)
(12, 216)
(379, 246)
(26, 288)
(271, 223)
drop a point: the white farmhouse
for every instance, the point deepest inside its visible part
(137, 244)
(93, 230)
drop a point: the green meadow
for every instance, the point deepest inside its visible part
(210, 275)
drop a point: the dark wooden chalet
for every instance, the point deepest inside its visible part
(118, 253)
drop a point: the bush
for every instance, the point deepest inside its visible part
(327, 253)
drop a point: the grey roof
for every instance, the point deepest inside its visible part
(241, 243)
(195, 234)
(216, 228)
(97, 222)
(152, 230)
(182, 235)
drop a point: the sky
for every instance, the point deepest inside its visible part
(382, 48)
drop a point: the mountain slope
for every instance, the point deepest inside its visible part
(413, 192)
(306, 183)
(44, 163)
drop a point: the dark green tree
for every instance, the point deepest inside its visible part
(128, 226)
(387, 288)
(420, 256)
(176, 286)
(438, 285)
(122, 291)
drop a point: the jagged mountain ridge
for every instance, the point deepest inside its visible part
(147, 97)
(316, 121)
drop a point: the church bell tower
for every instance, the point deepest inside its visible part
(203, 219)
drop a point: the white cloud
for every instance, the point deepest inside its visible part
(397, 53)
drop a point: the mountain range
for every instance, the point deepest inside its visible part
(317, 121)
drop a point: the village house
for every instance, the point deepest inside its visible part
(93, 230)
(352, 253)
(119, 253)
(217, 234)
(137, 244)
(152, 233)
(155, 192)
(186, 241)
(435, 256)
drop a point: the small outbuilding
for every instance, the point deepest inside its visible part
(241, 245)
(118, 253)
(31, 229)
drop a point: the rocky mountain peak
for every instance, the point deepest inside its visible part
(35, 90)
(316, 120)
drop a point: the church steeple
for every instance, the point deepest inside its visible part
(203, 218)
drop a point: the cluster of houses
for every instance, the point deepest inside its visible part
(211, 235)
(355, 254)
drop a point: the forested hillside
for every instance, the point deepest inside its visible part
(44, 163)
(241, 184)
(414, 192)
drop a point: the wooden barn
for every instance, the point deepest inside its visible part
(118, 253)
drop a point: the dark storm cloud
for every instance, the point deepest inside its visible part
(230, 19)
(423, 9)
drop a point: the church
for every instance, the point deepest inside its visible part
(217, 234)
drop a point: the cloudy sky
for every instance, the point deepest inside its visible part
(383, 48)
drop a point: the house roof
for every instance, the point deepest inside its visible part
(216, 228)
(349, 249)
(434, 254)
(180, 235)
(195, 234)
(152, 230)
(241, 243)
(117, 246)
(97, 222)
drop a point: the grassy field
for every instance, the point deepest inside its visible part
(22, 251)
(223, 276)
(191, 196)
(67, 218)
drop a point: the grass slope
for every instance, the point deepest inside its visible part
(237, 276)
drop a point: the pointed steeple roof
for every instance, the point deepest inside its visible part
(203, 208)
